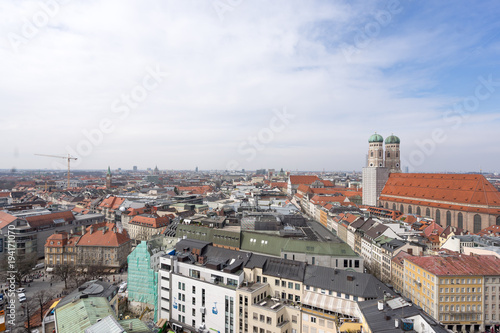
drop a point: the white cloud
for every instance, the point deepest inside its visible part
(224, 79)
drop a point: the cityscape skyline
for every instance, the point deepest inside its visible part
(229, 86)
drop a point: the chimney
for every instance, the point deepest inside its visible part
(410, 252)
(83, 230)
(114, 229)
(396, 323)
(380, 305)
(91, 229)
(350, 278)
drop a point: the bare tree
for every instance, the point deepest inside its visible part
(21, 265)
(95, 271)
(41, 298)
(64, 272)
(29, 308)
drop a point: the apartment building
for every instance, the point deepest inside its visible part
(204, 287)
(452, 289)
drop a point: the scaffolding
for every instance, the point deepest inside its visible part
(142, 279)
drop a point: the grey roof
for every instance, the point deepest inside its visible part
(384, 320)
(256, 260)
(284, 268)
(376, 230)
(362, 284)
(107, 324)
(367, 225)
(393, 245)
(94, 288)
(359, 223)
(190, 244)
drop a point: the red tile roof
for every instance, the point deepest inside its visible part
(61, 239)
(452, 265)
(453, 191)
(153, 221)
(112, 202)
(6, 219)
(4, 194)
(318, 200)
(204, 189)
(48, 219)
(493, 230)
(433, 228)
(103, 234)
(136, 211)
(296, 180)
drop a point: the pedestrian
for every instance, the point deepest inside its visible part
(51, 284)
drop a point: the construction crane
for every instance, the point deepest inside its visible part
(69, 158)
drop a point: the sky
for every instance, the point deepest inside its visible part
(240, 84)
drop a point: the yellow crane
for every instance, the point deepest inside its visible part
(69, 158)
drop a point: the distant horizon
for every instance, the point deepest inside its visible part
(238, 171)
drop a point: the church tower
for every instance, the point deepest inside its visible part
(392, 154)
(376, 151)
(108, 179)
(375, 174)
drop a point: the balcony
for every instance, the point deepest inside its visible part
(283, 323)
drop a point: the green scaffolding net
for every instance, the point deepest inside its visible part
(142, 279)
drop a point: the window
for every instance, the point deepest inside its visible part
(290, 285)
(194, 290)
(283, 284)
(438, 216)
(232, 282)
(477, 223)
(313, 319)
(428, 212)
(276, 282)
(297, 286)
(448, 218)
(194, 300)
(460, 220)
(194, 273)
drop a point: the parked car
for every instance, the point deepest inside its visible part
(21, 290)
(22, 297)
(123, 287)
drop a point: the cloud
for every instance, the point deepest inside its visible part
(227, 71)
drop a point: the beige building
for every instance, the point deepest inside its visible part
(99, 244)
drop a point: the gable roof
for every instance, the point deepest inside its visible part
(296, 180)
(6, 219)
(48, 219)
(153, 221)
(462, 264)
(466, 192)
(360, 284)
(103, 234)
(431, 227)
(112, 202)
